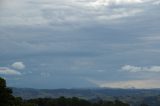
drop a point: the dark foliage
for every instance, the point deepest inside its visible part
(6, 98)
(143, 104)
(62, 101)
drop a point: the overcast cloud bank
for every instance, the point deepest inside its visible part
(66, 42)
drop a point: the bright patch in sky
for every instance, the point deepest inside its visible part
(18, 65)
(138, 84)
(116, 2)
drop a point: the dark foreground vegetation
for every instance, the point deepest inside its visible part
(7, 99)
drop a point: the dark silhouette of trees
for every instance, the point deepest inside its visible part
(62, 101)
(6, 98)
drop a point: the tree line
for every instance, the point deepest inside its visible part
(7, 99)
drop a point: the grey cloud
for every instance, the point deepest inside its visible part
(75, 38)
(18, 65)
(8, 71)
(130, 68)
(60, 13)
(12, 70)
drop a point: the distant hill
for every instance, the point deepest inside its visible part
(133, 96)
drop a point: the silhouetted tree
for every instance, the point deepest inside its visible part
(6, 98)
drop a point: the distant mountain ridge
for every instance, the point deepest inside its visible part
(28, 93)
(132, 96)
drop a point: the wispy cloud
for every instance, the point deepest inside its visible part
(69, 12)
(157, 2)
(121, 14)
(115, 2)
(8, 71)
(151, 38)
(130, 68)
(13, 69)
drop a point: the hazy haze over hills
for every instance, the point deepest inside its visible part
(132, 96)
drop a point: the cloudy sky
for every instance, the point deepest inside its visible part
(80, 43)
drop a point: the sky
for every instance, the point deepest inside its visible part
(50, 44)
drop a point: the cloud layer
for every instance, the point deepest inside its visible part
(115, 2)
(14, 70)
(8, 71)
(69, 12)
(130, 68)
(66, 41)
